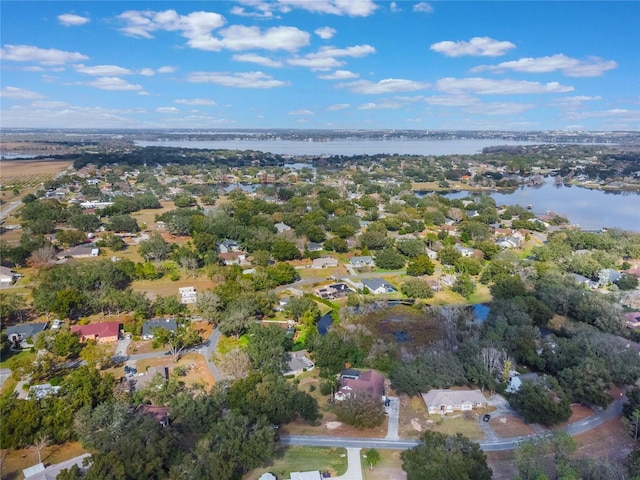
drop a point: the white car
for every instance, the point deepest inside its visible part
(57, 323)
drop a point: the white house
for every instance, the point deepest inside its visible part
(464, 251)
(282, 227)
(431, 254)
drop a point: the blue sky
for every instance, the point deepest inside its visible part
(363, 64)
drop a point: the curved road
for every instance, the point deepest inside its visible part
(614, 410)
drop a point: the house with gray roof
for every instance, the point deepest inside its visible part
(365, 261)
(378, 286)
(19, 333)
(150, 325)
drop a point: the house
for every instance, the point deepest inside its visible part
(378, 286)
(7, 276)
(333, 291)
(86, 250)
(314, 247)
(187, 295)
(464, 251)
(431, 254)
(365, 261)
(447, 401)
(228, 246)
(38, 392)
(233, 258)
(353, 381)
(39, 472)
(607, 276)
(267, 476)
(508, 242)
(515, 382)
(324, 262)
(282, 227)
(20, 333)
(150, 325)
(103, 332)
(311, 475)
(161, 414)
(297, 362)
(139, 381)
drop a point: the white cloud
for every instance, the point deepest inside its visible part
(388, 85)
(326, 58)
(393, 6)
(103, 70)
(71, 20)
(484, 86)
(387, 105)
(423, 7)
(239, 37)
(112, 84)
(195, 101)
(460, 100)
(572, 67)
(339, 75)
(147, 72)
(171, 110)
(167, 69)
(631, 115)
(263, 9)
(237, 79)
(352, 8)
(477, 47)
(575, 101)
(28, 53)
(338, 106)
(197, 28)
(258, 59)
(19, 93)
(301, 112)
(325, 33)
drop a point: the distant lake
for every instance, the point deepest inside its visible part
(343, 147)
(590, 209)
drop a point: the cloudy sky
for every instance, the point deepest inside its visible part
(321, 64)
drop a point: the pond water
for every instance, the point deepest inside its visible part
(324, 323)
(481, 312)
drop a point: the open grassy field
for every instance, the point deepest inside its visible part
(165, 286)
(300, 459)
(388, 468)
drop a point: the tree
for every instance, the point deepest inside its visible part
(336, 244)
(542, 401)
(463, 285)
(449, 255)
(96, 354)
(507, 287)
(282, 273)
(390, 259)
(122, 223)
(627, 282)
(421, 265)
(283, 250)
(114, 242)
(43, 257)
(209, 305)
(361, 409)
(66, 344)
(156, 248)
(443, 457)
(184, 337)
(235, 364)
(416, 288)
(235, 321)
(373, 457)
(267, 348)
(411, 248)
(297, 307)
(71, 238)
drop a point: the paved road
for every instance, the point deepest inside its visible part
(615, 409)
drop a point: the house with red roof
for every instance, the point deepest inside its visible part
(103, 332)
(353, 381)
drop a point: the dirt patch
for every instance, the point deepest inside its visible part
(17, 460)
(330, 426)
(608, 441)
(389, 467)
(21, 173)
(503, 465)
(195, 368)
(506, 426)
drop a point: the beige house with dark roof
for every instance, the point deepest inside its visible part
(447, 401)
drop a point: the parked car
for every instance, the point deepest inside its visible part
(486, 418)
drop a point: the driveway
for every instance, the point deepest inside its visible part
(393, 411)
(354, 466)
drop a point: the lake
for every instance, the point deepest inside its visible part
(590, 209)
(343, 147)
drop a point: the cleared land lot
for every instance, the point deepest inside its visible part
(29, 173)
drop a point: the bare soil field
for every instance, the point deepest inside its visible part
(389, 467)
(197, 371)
(506, 426)
(21, 173)
(17, 460)
(502, 464)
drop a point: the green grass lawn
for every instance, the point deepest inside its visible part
(5, 361)
(301, 459)
(226, 344)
